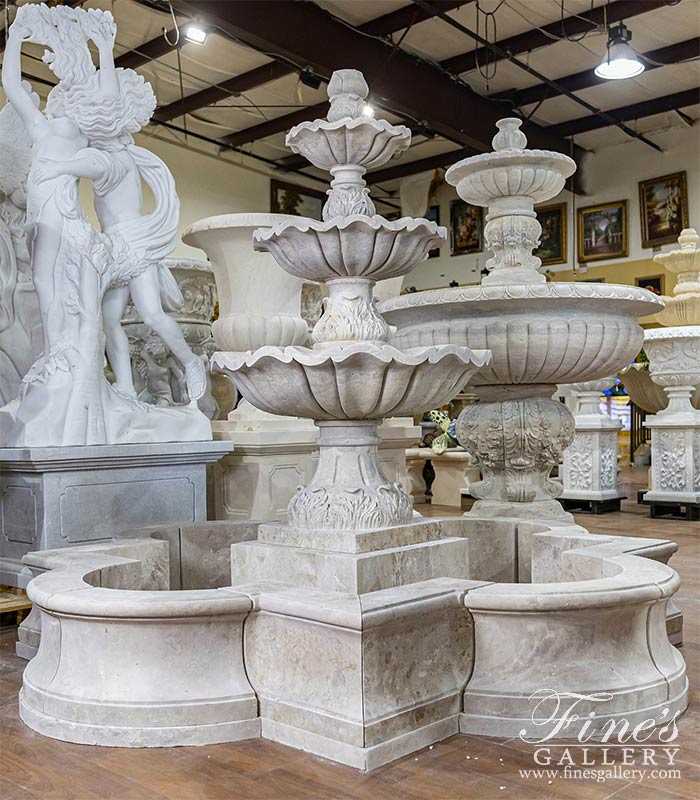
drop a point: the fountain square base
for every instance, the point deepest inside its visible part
(357, 691)
(52, 497)
(354, 573)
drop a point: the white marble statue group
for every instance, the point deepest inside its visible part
(84, 277)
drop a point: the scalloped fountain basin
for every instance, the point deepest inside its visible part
(360, 381)
(537, 333)
(363, 141)
(462, 644)
(354, 246)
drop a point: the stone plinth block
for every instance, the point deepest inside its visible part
(675, 460)
(351, 691)
(357, 573)
(54, 497)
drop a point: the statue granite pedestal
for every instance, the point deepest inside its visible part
(54, 497)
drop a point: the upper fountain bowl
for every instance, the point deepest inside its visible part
(362, 381)
(510, 171)
(355, 246)
(363, 141)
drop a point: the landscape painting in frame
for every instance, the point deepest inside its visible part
(433, 214)
(602, 232)
(286, 198)
(467, 227)
(663, 207)
(552, 249)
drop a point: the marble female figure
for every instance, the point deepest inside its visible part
(107, 110)
(65, 398)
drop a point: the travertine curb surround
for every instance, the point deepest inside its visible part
(375, 675)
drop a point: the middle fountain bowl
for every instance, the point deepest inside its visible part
(359, 381)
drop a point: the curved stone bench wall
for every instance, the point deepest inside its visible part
(361, 679)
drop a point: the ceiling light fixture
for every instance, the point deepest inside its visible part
(195, 33)
(309, 78)
(621, 61)
(367, 110)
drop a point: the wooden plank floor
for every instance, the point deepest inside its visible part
(36, 768)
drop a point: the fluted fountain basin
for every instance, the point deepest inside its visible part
(680, 310)
(538, 333)
(364, 142)
(354, 246)
(362, 381)
(535, 174)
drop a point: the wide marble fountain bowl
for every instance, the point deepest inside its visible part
(538, 333)
(364, 142)
(362, 381)
(356, 246)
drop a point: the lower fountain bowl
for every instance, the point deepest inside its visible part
(360, 381)
(538, 333)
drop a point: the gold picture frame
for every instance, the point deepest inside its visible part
(553, 242)
(654, 283)
(602, 232)
(663, 208)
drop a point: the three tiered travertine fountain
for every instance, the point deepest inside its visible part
(355, 631)
(352, 378)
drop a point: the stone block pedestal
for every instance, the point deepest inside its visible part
(590, 462)
(53, 497)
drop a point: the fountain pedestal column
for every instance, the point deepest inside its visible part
(674, 363)
(517, 441)
(590, 462)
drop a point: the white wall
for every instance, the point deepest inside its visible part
(610, 174)
(438, 272)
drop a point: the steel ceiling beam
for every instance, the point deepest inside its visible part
(272, 126)
(536, 38)
(419, 165)
(305, 34)
(381, 26)
(150, 51)
(646, 108)
(527, 68)
(666, 56)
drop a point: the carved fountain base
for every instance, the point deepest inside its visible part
(517, 442)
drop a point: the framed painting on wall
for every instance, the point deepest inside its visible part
(654, 283)
(286, 198)
(433, 214)
(602, 232)
(663, 208)
(467, 228)
(552, 249)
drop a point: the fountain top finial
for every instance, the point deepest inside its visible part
(509, 136)
(688, 240)
(347, 91)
